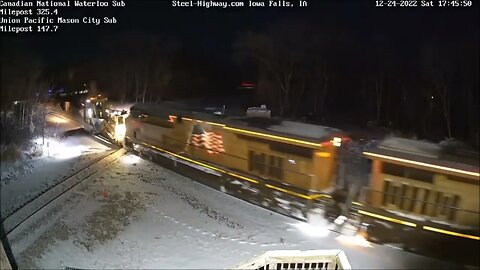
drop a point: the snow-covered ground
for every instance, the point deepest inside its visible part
(135, 214)
(66, 148)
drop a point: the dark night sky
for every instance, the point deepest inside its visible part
(207, 36)
(215, 29)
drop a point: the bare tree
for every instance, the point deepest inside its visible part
(378, 71)
(22, 87)
(320, 86)
(139, 65)
(281, 52)
(161, 67)
(439, 69)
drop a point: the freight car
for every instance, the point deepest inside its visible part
(288, 157)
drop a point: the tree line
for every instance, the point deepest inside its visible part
(428, 90)
(23, 87)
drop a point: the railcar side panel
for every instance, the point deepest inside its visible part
(282, 162)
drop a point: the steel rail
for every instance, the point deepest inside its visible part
(43, 199)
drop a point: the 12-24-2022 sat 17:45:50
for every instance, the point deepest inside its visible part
(423, 3)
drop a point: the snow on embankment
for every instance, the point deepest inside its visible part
(23, 180)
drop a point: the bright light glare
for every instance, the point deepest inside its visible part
(337, 141)
(312, 231)
(63, 152)
(56, 120)
(131, 159)
(340, 220)
(120, 132)
(60, 150)
(64, 149)
(38, 140)
(357, 240)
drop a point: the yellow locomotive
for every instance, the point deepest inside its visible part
(292, 157)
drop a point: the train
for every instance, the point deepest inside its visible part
(289, 157)
(102, 117)
(419, 195)
(294, 161)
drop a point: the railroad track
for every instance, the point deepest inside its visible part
(299, 205)
(42, 200)
(57, 114)
(85, 126)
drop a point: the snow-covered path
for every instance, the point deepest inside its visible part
(136, 214)
(22, 182)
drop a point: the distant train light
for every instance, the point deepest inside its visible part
(292, 161)
(88, 100)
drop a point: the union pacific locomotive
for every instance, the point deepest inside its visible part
(288, 157)
(289, 165)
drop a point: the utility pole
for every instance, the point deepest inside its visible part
(43, 123)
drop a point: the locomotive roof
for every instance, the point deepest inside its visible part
(273, 125)
(427, 152)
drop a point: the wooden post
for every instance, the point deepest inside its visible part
(4, 261)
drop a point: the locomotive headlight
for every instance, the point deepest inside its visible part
(337, 141)
(120, 132)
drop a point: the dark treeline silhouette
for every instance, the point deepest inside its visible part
(428, 90)
(421, 87)
(23, 84)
